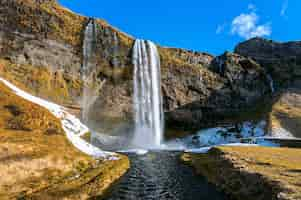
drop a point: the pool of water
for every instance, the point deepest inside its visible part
(161, 176)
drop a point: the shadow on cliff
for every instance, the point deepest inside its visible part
(194, 116)
(286, 110)
(245, 95)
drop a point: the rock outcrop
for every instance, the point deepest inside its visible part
(285, 115)
(281, 60)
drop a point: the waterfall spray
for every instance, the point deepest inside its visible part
(148, 107)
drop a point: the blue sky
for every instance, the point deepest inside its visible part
(212, 26)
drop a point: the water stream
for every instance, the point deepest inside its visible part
(157, 175)
(161, 176)
(271, 82)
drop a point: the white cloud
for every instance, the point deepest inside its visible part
(220, 28)
(284, 8)
(252, 7)
(246, 26)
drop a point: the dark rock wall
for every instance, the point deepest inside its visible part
(239, 85)
(281, 60)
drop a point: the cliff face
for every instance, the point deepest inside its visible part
(285, 115)
(281, 60)
(41, 51)
(236, 87)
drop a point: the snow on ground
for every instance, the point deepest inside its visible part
(198, 150)
(206, 149)
(281, 133)
(72, 126)
(222, 135)
(205, 139)
(264, 142)
(135, 151)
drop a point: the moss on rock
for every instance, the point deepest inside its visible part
(53, 85)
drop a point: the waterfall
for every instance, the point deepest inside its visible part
(148, 107)
(88, 47)
(220, 65)
(271, 82)
(88, 52)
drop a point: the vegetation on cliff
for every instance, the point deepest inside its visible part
(41, 81)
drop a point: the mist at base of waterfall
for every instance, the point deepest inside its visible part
(127, 141)
(143, 138)
(124, 140)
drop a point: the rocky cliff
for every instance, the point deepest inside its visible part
(285, 115)
(239, 84)
(41, 52)
(281, 60)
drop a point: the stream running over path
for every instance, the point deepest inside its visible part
(161, 176)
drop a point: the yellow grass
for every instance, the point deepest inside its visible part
(36, 159)
(40, 81)
(278, 165)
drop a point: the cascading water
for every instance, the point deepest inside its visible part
(148, 107)
(271, 81)
(88, 51)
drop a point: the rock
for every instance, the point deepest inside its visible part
(244, 75)
(281, 60)
(285, 114)
(195, 140)
(191, 57)
(240, 85)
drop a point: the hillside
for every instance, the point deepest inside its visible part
(251, 172)
(32, 164)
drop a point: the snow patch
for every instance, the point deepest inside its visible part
(72, 126)
(221, 135)
(198, 150)
(205, 139)
(281, 133)
(207, 149)
(135, 151)
(241, 145)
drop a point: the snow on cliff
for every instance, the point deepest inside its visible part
(72, 126)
